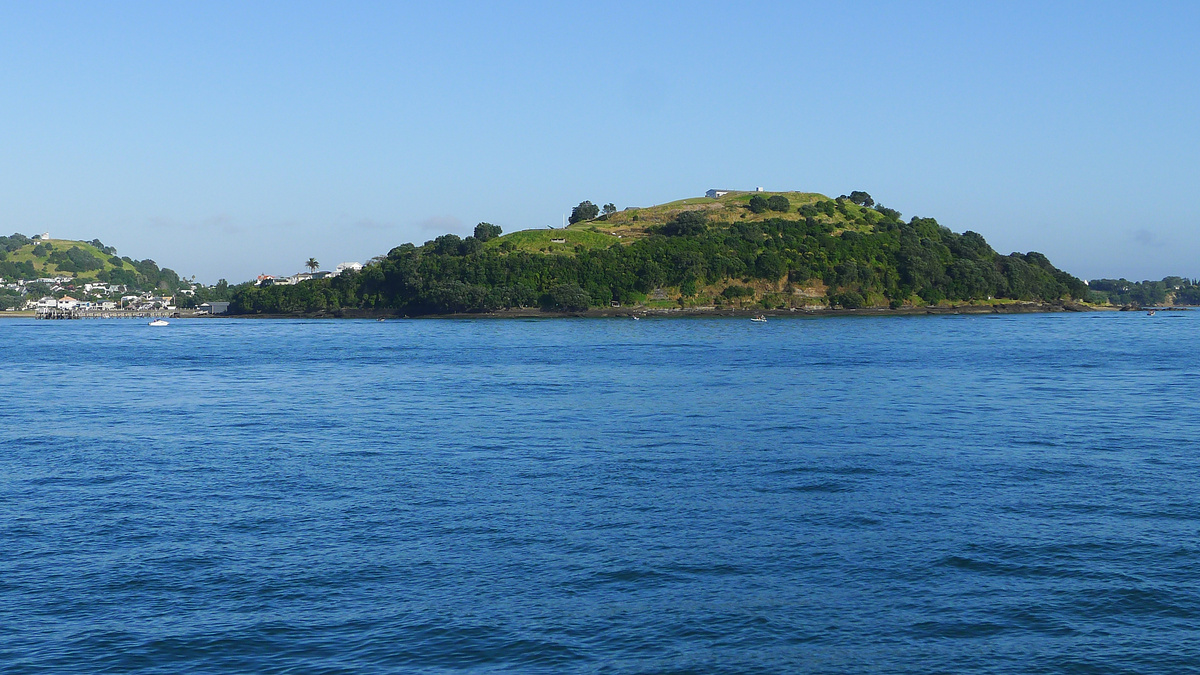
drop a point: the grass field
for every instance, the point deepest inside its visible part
(734, 207)
(543, 240)
(636, 222)
(45, 268)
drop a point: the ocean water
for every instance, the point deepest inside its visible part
(1002, 494)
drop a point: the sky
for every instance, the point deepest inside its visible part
(231, 139)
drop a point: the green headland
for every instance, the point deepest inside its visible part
(760, 250)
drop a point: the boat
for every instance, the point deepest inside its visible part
(759, 319)
(1150, 313)
(159, 322)
(635, 317)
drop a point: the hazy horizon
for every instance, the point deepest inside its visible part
(226, 140)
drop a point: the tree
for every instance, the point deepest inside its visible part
(758, 204)
(585, 211)
(610, 209)
(486, 231)
(688, 223)
(778, 203)
(861, 198)
(568, 297)
(312, 265)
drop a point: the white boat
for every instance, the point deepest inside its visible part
(759, 319)
(159, 322)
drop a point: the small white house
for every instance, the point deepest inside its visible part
(67, 302)
(353, 266)
(714, 193)
(47, 302)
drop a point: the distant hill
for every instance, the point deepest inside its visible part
(745, 249)
(25, 258)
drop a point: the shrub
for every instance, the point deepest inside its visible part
(567, 297)
(779, 203)
(734, 291)
(850, 300)
(688, 223)
(758, 204)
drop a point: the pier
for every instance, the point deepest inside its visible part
(54, 313)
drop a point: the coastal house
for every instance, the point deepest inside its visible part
(717, 193)
(352, 266)
(67, 302)
(46, 302)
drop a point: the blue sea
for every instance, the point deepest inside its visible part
(932, 494)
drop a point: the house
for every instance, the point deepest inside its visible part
(352, 266)
(265, 280)
(758, 189)
(214, 308)
(717, 193)
(67, 302)
(46, 303)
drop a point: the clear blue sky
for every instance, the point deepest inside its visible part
(231, 139)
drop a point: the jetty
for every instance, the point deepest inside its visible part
(55, 313)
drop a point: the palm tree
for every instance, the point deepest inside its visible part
(312, 265)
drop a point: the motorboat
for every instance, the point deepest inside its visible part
(159, 322)
(759, 319)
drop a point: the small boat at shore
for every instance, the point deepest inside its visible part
(159, 322)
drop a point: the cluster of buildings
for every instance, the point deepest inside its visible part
(271, 280)
(144, 302)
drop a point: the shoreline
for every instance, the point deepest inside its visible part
(699, 312)
(684, 312)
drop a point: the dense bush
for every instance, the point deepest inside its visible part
(885, 257)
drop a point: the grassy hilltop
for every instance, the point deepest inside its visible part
(63, 257)
(83, 261)
(767, 250)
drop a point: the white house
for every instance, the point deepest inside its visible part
(353, 266)
(46, 302)
(67, 302)
(717, 193)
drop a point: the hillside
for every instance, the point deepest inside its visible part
(23, 258)
(734, 207)
(766, 250)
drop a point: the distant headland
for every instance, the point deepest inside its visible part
(730, 251)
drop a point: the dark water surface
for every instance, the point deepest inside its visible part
(1015, 494)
